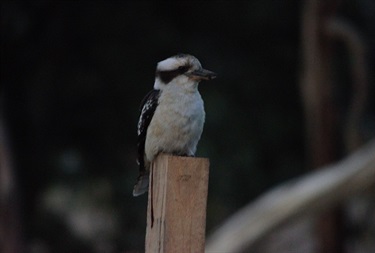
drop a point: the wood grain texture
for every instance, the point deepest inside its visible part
(176, 215)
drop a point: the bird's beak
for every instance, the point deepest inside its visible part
(202, 74)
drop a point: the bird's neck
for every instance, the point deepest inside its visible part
(178, 87)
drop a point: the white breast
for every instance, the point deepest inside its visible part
(177, 124)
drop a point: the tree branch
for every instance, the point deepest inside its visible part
(317, 191)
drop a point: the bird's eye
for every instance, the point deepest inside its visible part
(183, 69)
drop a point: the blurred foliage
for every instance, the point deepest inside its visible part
(73, 74)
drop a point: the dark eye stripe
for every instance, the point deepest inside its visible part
(167, 76)
(183, 69)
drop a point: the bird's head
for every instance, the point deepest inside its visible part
(181, 70)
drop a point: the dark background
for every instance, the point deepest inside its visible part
(73, 75)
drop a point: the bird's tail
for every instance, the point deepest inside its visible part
(142, 185)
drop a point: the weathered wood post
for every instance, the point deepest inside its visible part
(177, 199)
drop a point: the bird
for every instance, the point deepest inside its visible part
(172, 114)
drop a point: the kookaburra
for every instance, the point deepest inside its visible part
(172, 114)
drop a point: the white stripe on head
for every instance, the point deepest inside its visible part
(169, 64)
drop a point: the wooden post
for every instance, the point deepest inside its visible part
(177, 199)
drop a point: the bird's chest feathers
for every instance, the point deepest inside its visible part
(178, 119)
(180, 112)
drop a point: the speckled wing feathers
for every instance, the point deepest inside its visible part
(148, 107)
